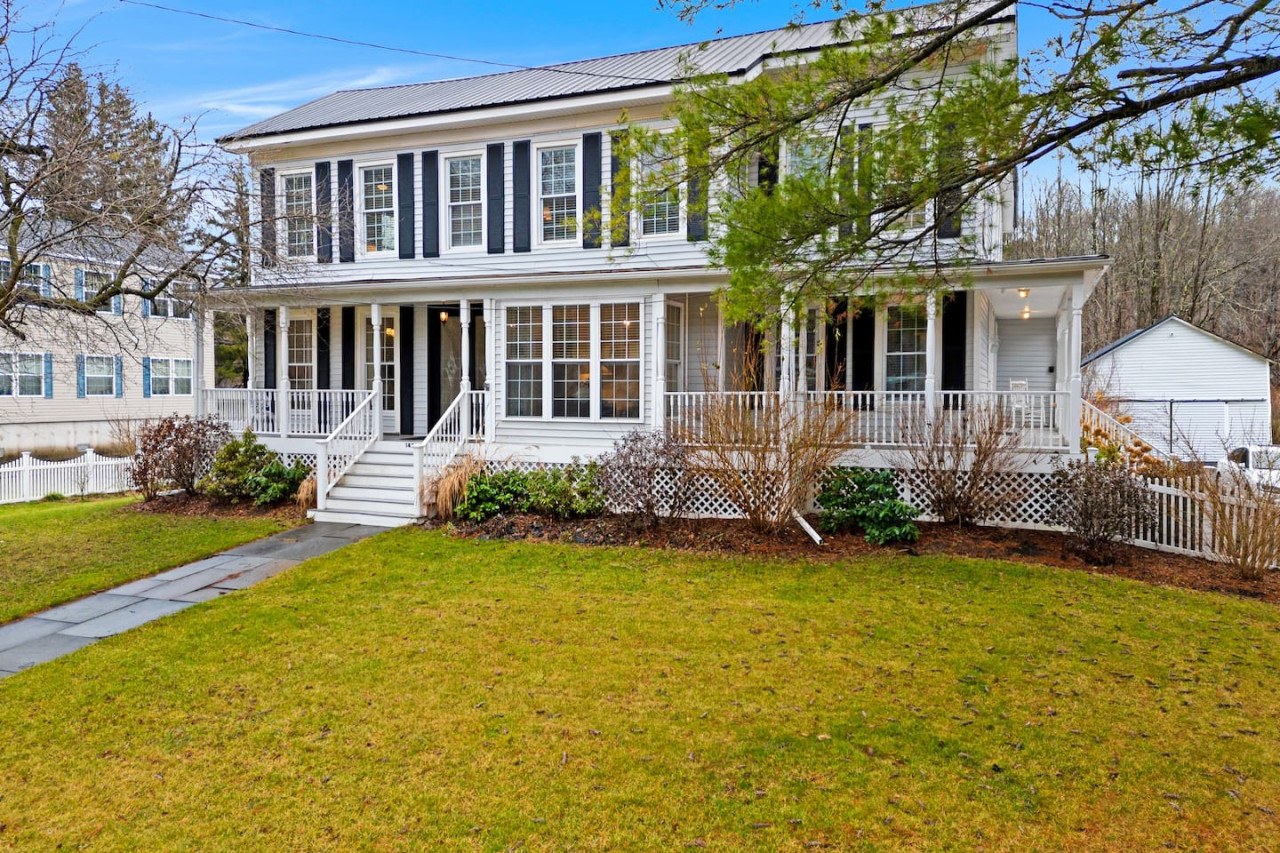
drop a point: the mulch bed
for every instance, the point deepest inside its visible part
(189, 505)
(992, 543)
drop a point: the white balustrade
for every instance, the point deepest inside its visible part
(310, 412)
(346, 444)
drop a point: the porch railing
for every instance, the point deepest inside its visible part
(270, 411)
(340, 450)
(1098, 426)
(884, 418)
(462, 422)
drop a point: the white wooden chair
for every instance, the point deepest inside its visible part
(1018, 401)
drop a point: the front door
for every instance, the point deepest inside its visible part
(390, 355)
(444, 347)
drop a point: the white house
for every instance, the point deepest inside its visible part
(1188, 391)
(430, 283)
(72, 380)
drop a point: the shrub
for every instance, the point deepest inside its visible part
(54, 497)
(175, 452)
(855, 498)
(277, 482)
(237, 461)
(448, 490)
(488, 494)
(961, 459)
(572, 491)
(1244, 517)
(646, 477)
(1100, 502)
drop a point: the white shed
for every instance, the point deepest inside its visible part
(1187, 389)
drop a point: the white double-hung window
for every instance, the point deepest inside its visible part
(378, 199)
(95, 283)
(170, 377)
(465, 177)
(524, 362)
(299, 233)
(660, 199)
(99, 376)
(558, 193)
(21, 374)
(906, 327)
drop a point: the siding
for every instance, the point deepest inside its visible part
(1027, 351)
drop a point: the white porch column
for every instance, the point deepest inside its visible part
(1075, 407)
(493, 327)
(282, 371)
(250, 349)
(931, 356)
(464, 386)
(659, 362)
(787, 341)
(375, 321)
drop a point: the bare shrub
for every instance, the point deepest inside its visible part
(176, 452)
(1100, 503)
(1244, 516)
(646, 477)
(765, 452)
(961, 459)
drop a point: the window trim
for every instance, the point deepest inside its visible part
(548, 401)
(362, 240)
(15, 375)
(535, 197)
(682, 214)
(170, 300)
(36, 283)
(282, 247)
(108, 309)
(882, 354)
(111, 359)
(172, 362)
(683, 326)
(446, 224)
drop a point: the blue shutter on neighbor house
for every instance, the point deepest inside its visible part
(48, 376)
(497, 236)
(620, 232)
(404, 192)
(346, 212)
(592, 164)
(80, 376)
(267, 188)
(117, 304)
(430, 205)
(522, 203)
(79, 285)
(324, 214)
(46, 281)
(146, 377)
(146, 303)
(119, 376)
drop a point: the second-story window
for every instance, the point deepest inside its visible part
(95, 283)
(660, 202)
(466, 202)
(379, 209)
(299, 233)
(558, 193)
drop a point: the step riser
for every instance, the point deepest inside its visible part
(377, 481)
(369, 469)
(359, 518)
(397, 447)
(375, 457)
(391, 510)
(390, 496)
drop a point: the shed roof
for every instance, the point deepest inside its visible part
(1132, 336)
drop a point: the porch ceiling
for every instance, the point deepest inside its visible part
(1044, 301)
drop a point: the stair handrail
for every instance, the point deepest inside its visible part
(442, 443)
(1096, 419)
(337, 452)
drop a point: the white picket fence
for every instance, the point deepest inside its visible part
(30, 479)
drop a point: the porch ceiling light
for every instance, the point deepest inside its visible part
(1026, 312)
(1024, 292)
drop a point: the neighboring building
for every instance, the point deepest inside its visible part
(1188, 391)
(429, 242)
(88, 380)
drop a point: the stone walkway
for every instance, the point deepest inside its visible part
(64, 629)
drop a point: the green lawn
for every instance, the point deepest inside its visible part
(55, 552)
(415, 692)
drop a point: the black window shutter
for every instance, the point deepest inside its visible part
(269, 349)
(621, 201)
(405, 333)
(348, 348)
(592, 163)
(430, 204)
(497, 236)
(404, 194)
(767, 168)
(858, 151)
(947, 204)
(267, 185)
(954, 322)
(323, 329)
(522, 203)
(697, 219)
(346, 212)
(324, 214)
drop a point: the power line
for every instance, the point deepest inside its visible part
(389, 48)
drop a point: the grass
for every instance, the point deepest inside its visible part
(55, 552)
(419, 692)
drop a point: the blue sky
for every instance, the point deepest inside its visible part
(230, 76)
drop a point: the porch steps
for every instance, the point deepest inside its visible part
(377, 491)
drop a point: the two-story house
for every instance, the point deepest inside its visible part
(71, 379)
(432, 279)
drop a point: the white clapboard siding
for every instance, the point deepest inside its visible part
(1027, 351)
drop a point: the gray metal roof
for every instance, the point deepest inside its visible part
(733, 55)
